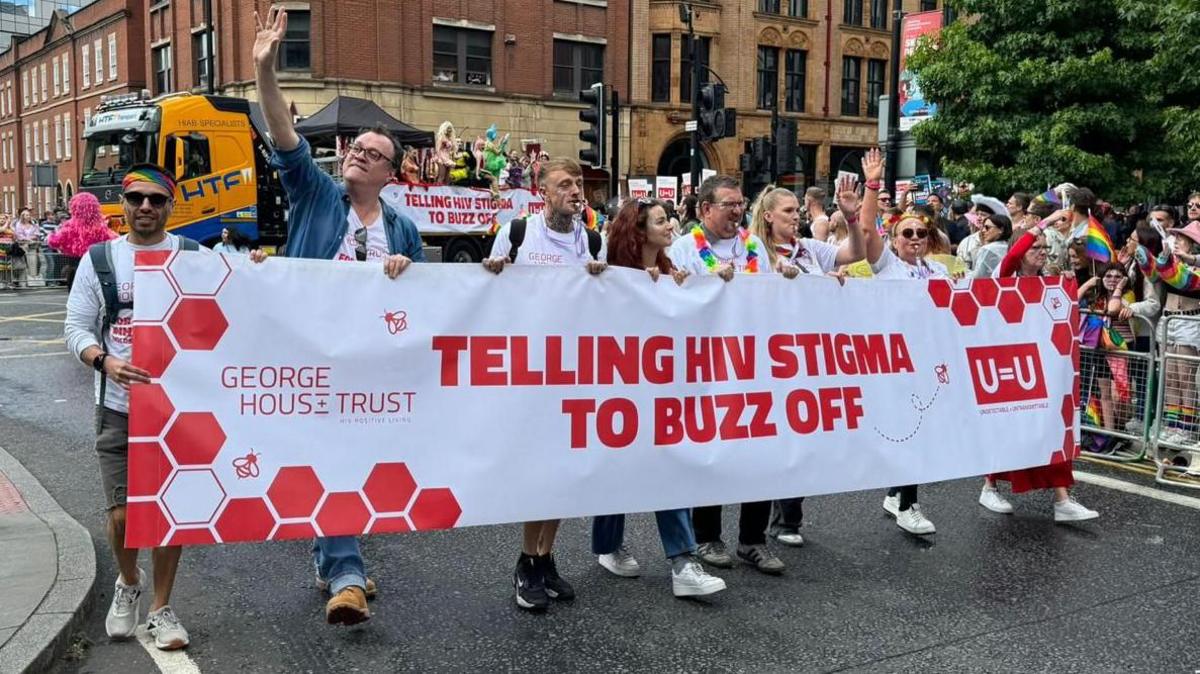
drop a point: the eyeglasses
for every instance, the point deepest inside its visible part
(360, 244)
(136, 199)
(1039, 249)
(731, 205)
(910, 233)
(372, 154)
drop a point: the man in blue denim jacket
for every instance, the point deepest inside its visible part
(332, 222)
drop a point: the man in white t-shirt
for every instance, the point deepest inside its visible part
(721, 246)
(555, 237)
(148, 198)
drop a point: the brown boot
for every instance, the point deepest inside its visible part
(348, 607)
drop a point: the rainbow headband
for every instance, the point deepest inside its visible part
(150, 174)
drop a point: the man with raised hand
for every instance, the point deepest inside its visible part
(328, 221)
(98, 331)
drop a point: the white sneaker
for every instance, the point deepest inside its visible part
(123, 614)
(992, 500)
(891, 505)
(621, 563)
(694, 581)
(791, 539)
(1071, 510)
(914, 521)
(166, 629)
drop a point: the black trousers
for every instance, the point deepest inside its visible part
(752, 523)
(908, 495)
(788, 514)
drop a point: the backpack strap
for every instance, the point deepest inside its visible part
(188, 244)
(516, 236)
(102, 262)
(594, 242)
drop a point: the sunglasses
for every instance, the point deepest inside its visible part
(910, 233)
(360, 244)
(136, 199)
(1194, 205)
(1039, 249)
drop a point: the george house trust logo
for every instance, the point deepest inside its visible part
(1010, 373)
(396, 321)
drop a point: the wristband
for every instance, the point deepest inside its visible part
(873, 185)
(98, 362)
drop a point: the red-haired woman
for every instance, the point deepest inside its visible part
(1027, 257)
(638, 238)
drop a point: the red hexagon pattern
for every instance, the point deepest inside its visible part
(153, 348)
(154, 469)
(155, 410)
(389, 487)
(434, 509)
(245, 519)
(195, 438)
(343, 513)
(197, 323)
(147, 517)
(940, 291)
(964, 308)
(295, 491)
(202, 536)
(1011, 306)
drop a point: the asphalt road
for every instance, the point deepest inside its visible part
(986, 593)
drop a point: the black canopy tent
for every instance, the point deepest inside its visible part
(347, 116)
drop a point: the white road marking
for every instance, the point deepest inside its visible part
(34, 355)
(1131, 488)
(168, 662)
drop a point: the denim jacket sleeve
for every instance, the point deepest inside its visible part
(312, 197)
(414, 250)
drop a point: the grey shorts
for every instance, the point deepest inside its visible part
(112, 451)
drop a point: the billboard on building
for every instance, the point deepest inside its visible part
(914, 109)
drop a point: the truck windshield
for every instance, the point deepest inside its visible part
(109, 155)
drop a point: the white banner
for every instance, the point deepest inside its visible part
(299, 397)
(459, 210)
(666, 188)
(639, 189)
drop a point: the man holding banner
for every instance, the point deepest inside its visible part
(554, 237)
(339, 222)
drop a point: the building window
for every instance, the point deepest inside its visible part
(57, 77)
(28, 154)
(852, 12)
(577, 65)
(768, 78)
(685, 67)
(295, 51)
(36, 151)
(58, 137)
(202, 65)
(876, 72)
(161, 58)
(112, 56)
(798, 8)
(796, 64)
(98, 54)
(879, 14)
(25, 89)
(85, 51)
(45, 83)
(768, 6)
(66, 72)
(660, 69)
(68, 135)
(928, 5)
(462, 56)
(45, 140)
(851, 77)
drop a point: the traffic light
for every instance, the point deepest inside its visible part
(784, 138)
(712, 112)
(596, 117)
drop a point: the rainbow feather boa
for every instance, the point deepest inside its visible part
(710, 258)
(1168, 269)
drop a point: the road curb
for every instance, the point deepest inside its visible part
(45, 635)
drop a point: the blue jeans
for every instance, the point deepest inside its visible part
(674, 528)
(339, 562)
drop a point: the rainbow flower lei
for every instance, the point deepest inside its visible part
(710, 258)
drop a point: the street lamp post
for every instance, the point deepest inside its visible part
(893, 136)
(686, 13)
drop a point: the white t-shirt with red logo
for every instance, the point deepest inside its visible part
(85, 311)
(685, 254)
(546, 247)
(377, 244)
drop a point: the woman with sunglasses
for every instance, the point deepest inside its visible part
(1027, 257)
(638, 238)
(994, 235)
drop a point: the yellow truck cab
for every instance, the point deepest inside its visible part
(217, 149)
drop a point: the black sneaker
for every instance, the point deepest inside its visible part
(556, 586)
(528, 582)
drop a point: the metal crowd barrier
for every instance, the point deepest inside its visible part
(1177, 444)
(1116, 392)
(51, 269)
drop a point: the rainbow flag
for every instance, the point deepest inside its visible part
(1168, 269)
(591, 219)
(1048, 197)
(1091, 414)
(1097, 244)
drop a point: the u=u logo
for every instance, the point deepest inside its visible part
(990, 376)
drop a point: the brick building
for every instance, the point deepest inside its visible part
(516, 63)
(50, 82)
(823, 62)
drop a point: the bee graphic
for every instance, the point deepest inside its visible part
(942, 373)
(1055, 302)
(397, 321)
(246, 466)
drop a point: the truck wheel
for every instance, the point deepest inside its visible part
(463, 250)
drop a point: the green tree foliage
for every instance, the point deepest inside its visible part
(1102, 93)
